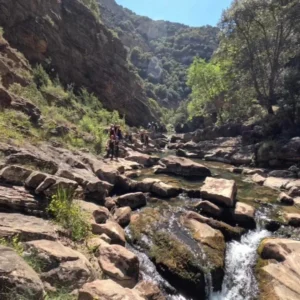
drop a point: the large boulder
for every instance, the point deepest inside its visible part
(220, 191)
(164, 190)
(243, 215)
(293, 219)
(142, 158)
(18, 280)
(119, 264)
(209, 208)
(133, 200)
(60, 265)
(14, 174)
(27, 227)
(213, 245)
(149, 290)
(112, 229)
(183, 167)
(278, 269)
(122, 215)
(101, 215)
(276, 183)
(107, 290)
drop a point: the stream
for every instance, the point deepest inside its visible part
(239, 281)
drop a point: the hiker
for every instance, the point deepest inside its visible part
(142, 135)
(111, 130)
(118, 132)
(146, 139)
(110, 147)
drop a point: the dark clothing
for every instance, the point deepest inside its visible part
(146, 140)
(110, 149)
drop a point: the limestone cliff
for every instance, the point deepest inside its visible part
(66, 35)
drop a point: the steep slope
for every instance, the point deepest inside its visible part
(160, 51)
(66, 35)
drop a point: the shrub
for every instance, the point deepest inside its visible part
(40, 76)
(13, 242)
(69, 215)
(1, 31)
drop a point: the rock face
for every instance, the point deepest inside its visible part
(119, 264)
(61, 265)
(220, 191)
(183, 167)
(107, 289)
(279, 278)
(17, 278)
(85, 48)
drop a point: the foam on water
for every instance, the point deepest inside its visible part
(239, 281)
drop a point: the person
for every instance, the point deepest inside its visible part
(146, 139)
(111, 130)
(118, 132)
(142, 135)
(110, 148)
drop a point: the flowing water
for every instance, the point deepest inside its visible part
(239, 282)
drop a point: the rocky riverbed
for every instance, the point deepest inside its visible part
(164, 227)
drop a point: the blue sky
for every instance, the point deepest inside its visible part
(189, 12)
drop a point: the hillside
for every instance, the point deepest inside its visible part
(68, 39)
(160, 51)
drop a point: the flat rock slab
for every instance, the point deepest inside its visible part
(18, 199)
(283, 275)
(220, 191)
(27, 227)
(183, 167)
(18, 276)
(133, 200)
(276, 183)
(142, 158)
(107, 289)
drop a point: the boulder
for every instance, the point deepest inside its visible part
(14, 174)
(209, 209)
(133, 200)
(35, 179)
(119, 264)
(229, 232)
(244, 214)
(101, 215)
(294, 191)
(60, 265)
(282, 174)
(149, 290)
(113, 230)
(278, 269)
(293, 184)
(219, 191)
(27, 227)
(259, 179)
(164, 190)
(212, 244)
(107, 289)
(183, 167)
(142, 159)
(110, 203)
(276, 183)
(17, 278)
(293, 219)
(285, 199)
(145, 185)
(122, 215)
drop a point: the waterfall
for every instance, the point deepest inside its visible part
(239, 281)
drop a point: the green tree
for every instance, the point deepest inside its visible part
(259, 36)
(208, 88)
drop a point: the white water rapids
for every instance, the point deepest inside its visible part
(239, 281)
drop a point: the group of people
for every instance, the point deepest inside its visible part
(115, 136)
(154, 127)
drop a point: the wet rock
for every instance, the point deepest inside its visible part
(276, 183)
(209, 208)
(101, 215)
(292, 219)
(27, 227)
(213, 244)
(60, 265)
(17, 278)
(219, 191)
(278, 269)
(285, 199)
(258, 179)
(282, 174)
(183, 167)
(119, 264)
(143, 159)
(133, 200)
(107, 289)
(272, 225)
(149, 290)
(244, 214)
(113, 230)
(229, 232)
(193, 193)
(122, 215)
(14, 174)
